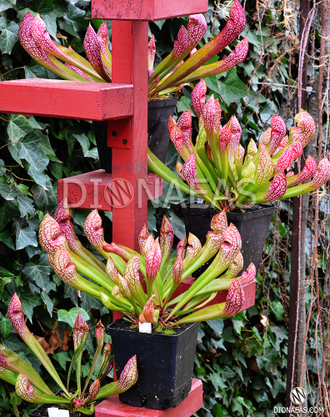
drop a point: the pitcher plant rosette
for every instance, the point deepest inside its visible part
(32, 388)
(141, 284)
(224, 174)
(183, 65)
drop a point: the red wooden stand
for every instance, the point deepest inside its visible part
(112, 407)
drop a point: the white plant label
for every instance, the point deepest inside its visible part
(145, 327)
(55, 412)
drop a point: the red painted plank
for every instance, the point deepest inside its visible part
(70, 99)
(112, 407)
(146, 9)
(129, 47)
(99, 190)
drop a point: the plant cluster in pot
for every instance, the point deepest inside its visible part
(218, 170)
(32, 388)
(142, 285)
(183, 65)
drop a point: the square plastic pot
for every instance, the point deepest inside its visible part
(165, 363)
(253, 225)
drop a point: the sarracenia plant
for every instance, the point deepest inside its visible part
(183, 65)
(31, 387)
(141, 284)
(219, 170)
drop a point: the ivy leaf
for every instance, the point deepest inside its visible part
(50, 21)
(62, 358)
(13, 193)
(39, 176)
(238, 325)
(5, 328)
(7, 4)
(70, 316)
(70, 292)
(29, 302)
(8, 37)
(88, 302)
(3, 282)
(277, 308)
(31, 151)
(232, 88)
(2, 167)
(227, 373)
(45, 145)
(85, 145)
(8, 209)
(38, 272)
(5, 237)
(25, 236)
(48, 301)
(44, 199)
(217, 381)
(267, 361)
(42, 6)
(18, 127)
(216, 326)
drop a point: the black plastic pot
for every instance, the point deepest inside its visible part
(165, 363)
(253, 225)
(159, 111)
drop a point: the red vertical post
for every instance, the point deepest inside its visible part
(129, 52)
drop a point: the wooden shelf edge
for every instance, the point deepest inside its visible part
(66, 99)
(112, 407)
(146, 10)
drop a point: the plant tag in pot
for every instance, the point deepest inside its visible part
(55, 412)
(145, 327)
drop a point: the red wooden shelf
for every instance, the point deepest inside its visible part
(146, 9)
(69, 99)
(99, 190)
(112, 407)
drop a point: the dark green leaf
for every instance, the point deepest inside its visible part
(232, 88)
(13, 193)
(50, 21)
(18, 127)
(25, 237)
(5, 237)
(238, 325)
(227, 373)
(228, 335)
(5, 328)
(70, 316)
(62, 358)
(8, 37)
(6, 4)
(42, 6)
(29, 302)
(38, 272)
(277, 308)
(44, 199)
(8, 210)
(48, 301)
(216, 326)
(217, 381)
